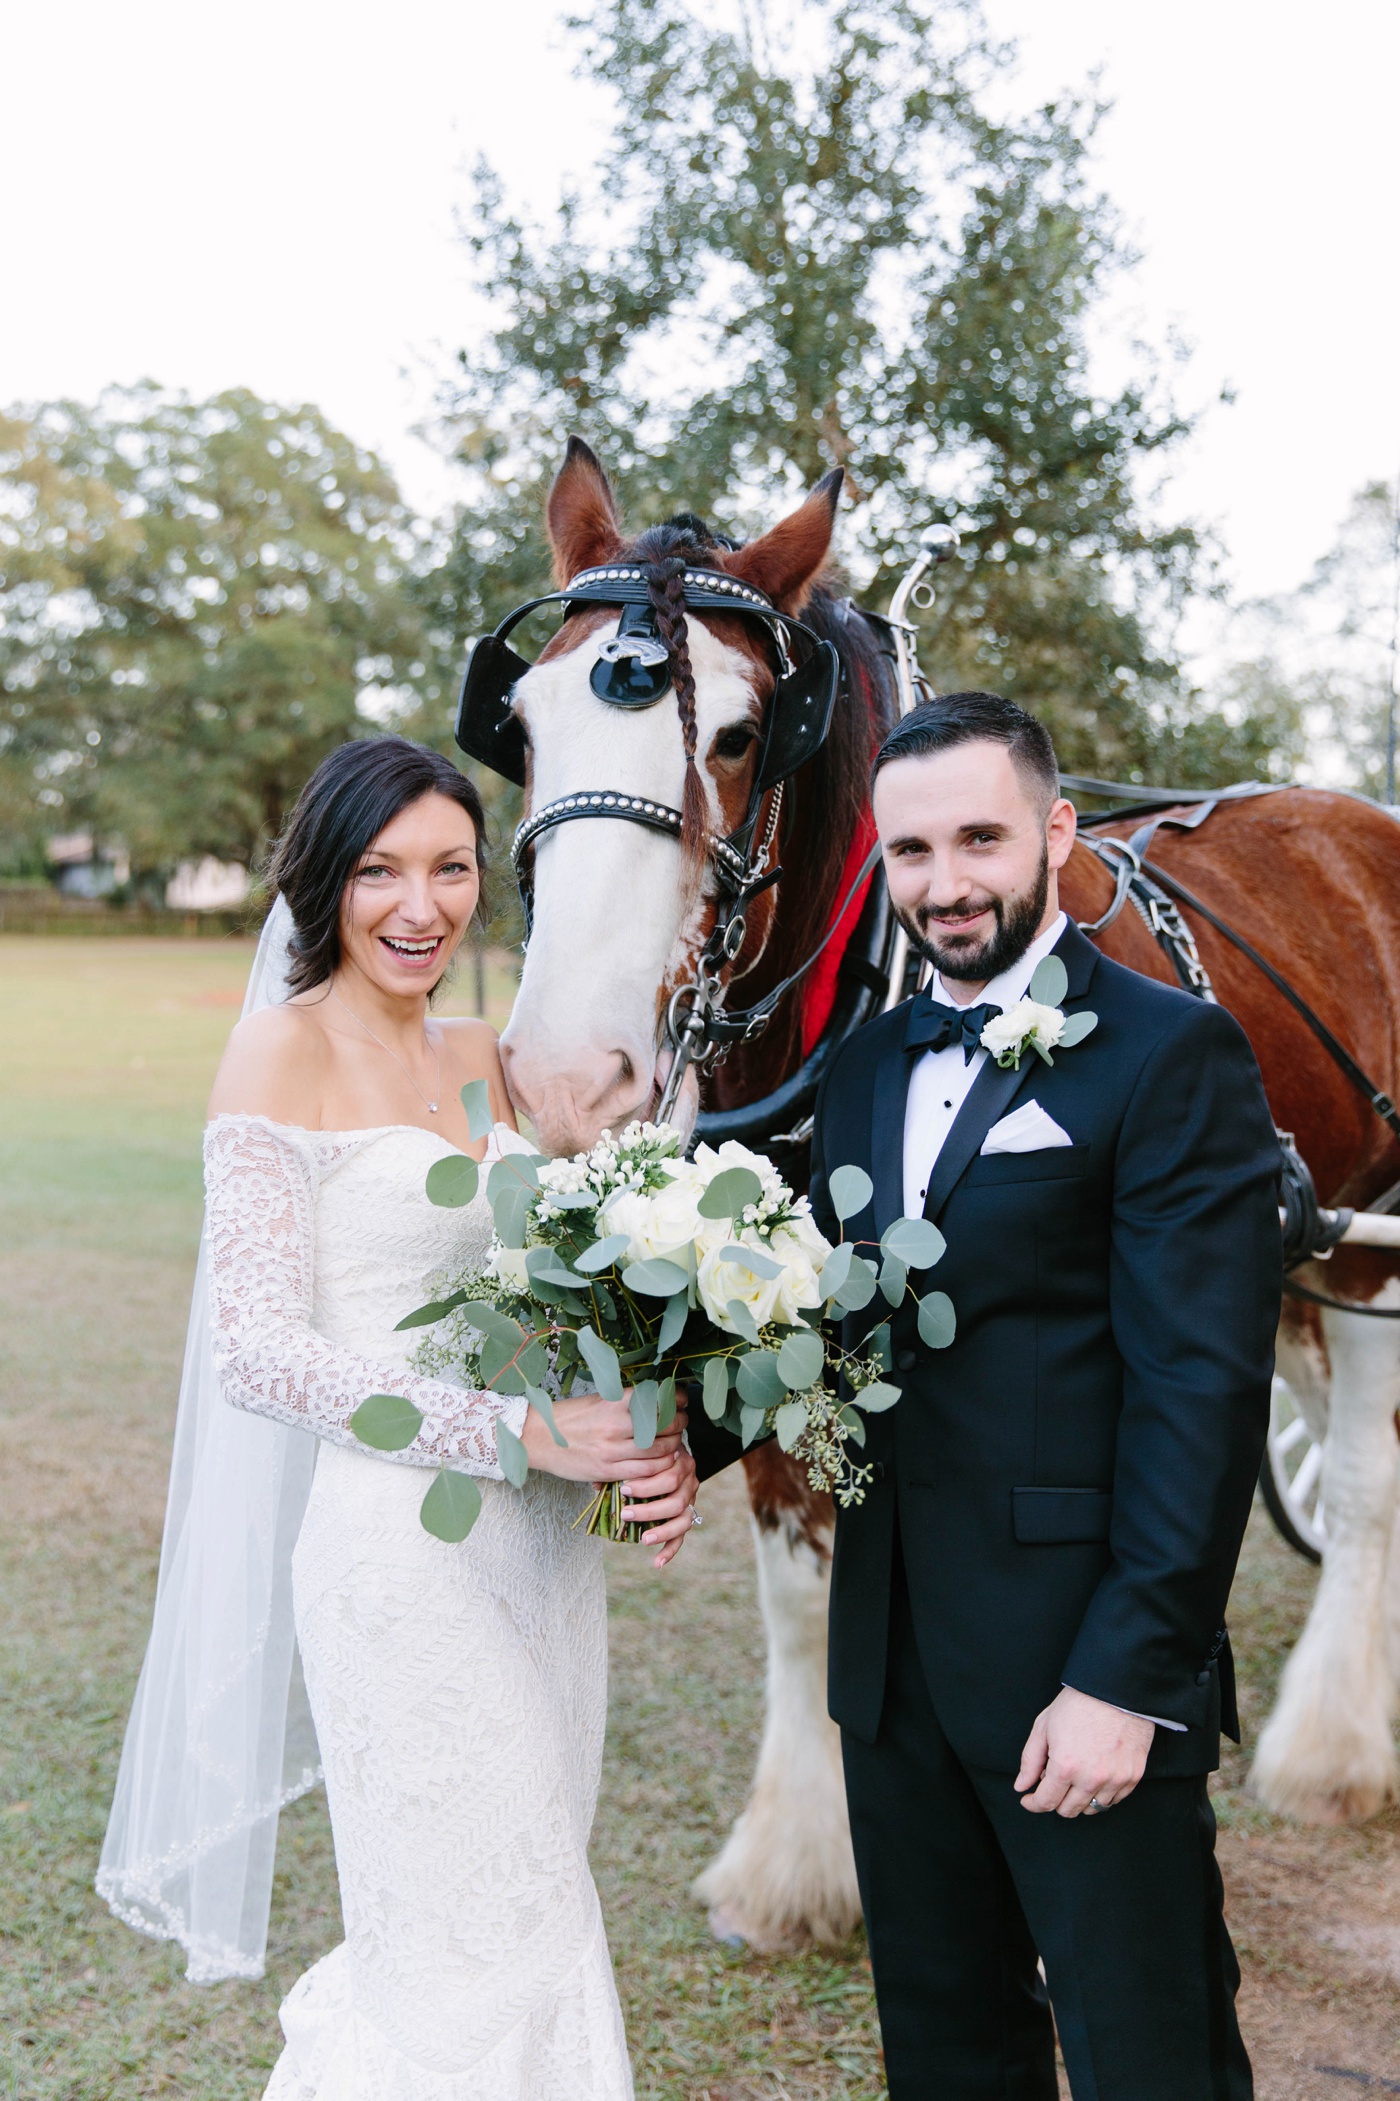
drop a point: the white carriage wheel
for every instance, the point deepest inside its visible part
(1291, 1476)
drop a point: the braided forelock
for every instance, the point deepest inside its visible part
(666, 591)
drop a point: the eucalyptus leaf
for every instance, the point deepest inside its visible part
(672, 1323)
(510, 1213)
(730, 1193)
(603, 1253)
(453, 1182)
(790, 1422)
(916, 1242)
(655, 1278)
(751, 1421)
(1076, 1028)
(752, 1259)
(761, 1384)
(451, 1507)
(880, 1344)
(850, 1190)
(435, 1310)
(801, 1357)
(741, 1320)
(893, 1278)
(499, 1367)
(1050, 983)
(937, 1321)
(545, 1265)
(489, 1321)
(571, 1200)
(853, 1423)
(716, 1387)
(877, 1398)
(859, 1287)
(836, 1268)
(543, 1406)
(601, 1359)
(645, 1404)
(511, 1455)
(386, 1422)
(476, 1100)
(666, 1405)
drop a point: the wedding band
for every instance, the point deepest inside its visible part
(1095, 1807)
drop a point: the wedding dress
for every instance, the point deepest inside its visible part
(458, 1692)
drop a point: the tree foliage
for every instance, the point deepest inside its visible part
(200, 600)
(819, 247)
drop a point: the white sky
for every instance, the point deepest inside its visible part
(265, 196)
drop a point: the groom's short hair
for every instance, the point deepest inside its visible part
(969, 718)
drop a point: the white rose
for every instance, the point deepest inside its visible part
(664, 1223)
(717, 1282)
(801, 1256)
(1027, 1022)
(508, 1263)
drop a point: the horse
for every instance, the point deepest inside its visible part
(621, 916)
(1311, 880)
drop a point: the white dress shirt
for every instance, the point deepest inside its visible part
(940, 1081)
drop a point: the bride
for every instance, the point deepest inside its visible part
(457, 1692)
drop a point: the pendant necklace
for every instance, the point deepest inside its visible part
(431, 1107)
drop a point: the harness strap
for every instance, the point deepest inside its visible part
(1376, 1096)
(1296, 1290)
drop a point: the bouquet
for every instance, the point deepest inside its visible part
(634, 1269)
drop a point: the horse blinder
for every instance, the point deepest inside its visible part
(487, 728)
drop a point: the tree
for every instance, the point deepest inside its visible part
(819, 248)
(200, 600)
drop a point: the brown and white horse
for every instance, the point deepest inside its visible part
(620, 915)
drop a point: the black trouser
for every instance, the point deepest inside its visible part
(962, 1888)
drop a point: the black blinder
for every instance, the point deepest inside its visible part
(634, 666)
(800, 716)
(486, 727)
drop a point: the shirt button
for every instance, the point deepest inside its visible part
(904, 1360)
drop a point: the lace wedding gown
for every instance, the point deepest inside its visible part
(458, 1692)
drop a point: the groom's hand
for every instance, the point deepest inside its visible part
(1081, 1750)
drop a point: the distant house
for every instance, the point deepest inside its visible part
(83, 869)
(207, 886)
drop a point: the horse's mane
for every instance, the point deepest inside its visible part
(824, 803)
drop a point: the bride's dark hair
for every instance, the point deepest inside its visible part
(339, 814)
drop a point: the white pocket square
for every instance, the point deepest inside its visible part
(1026, 1130)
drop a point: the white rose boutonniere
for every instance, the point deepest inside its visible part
(1036, 1023)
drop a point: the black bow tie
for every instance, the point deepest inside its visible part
(934, 1026)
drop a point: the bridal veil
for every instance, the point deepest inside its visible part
(220, 1735)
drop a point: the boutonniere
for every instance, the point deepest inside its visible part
(1036, 1023)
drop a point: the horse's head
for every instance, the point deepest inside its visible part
(621, 911)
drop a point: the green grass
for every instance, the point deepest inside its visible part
(106, 1054)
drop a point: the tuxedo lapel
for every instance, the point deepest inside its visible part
(992, 1092)
(887, 1130)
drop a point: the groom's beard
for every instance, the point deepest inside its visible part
(979, 958)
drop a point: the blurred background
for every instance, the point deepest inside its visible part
(299, 315)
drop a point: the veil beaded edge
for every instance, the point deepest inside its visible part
(220, 1736)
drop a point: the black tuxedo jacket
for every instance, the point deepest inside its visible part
(1069, 1482)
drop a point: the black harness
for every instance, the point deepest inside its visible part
(634, 671)
(1309, 1230)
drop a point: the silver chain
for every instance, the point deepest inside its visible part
(431, 1107)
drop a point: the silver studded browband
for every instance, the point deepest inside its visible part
(695, 580)
(632, 809)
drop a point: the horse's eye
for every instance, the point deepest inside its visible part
(734, 742)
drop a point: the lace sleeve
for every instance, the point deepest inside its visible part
(260, 1190)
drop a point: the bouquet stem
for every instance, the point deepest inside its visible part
(604, 1515)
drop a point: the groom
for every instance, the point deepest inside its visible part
(1029, 1661)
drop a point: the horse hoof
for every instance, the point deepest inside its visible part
(726, 1929)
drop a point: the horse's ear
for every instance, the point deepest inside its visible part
(785, 562)
(581, 515)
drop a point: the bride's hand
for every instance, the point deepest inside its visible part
(600, 1444)
(668, 1508)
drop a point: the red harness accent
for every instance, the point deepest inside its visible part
(819, 993)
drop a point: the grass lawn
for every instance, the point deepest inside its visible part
(106, 1054)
